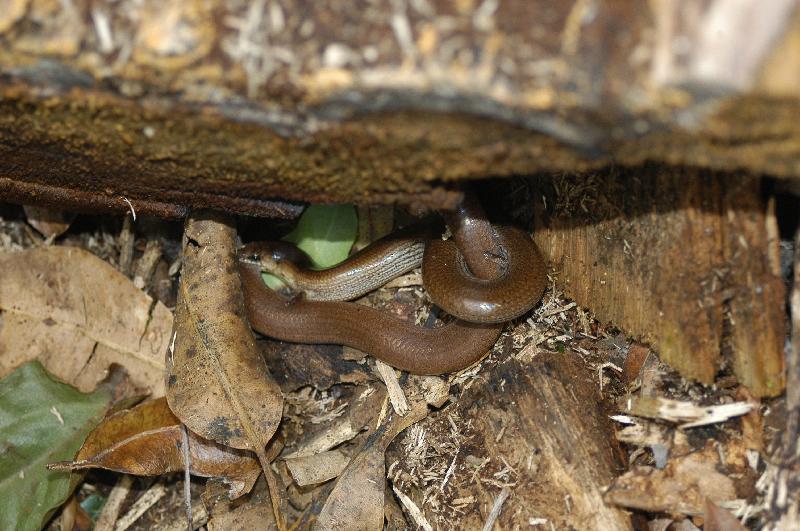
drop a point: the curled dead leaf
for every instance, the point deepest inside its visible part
(147, 440)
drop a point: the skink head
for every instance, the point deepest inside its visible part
(270, 255)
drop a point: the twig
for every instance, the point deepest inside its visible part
(110, 512)
(496, 508)
(126, 241)
(413, 510)
(140, 506)
(187, 478)
(147, 263)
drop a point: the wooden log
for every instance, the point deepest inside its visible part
(681, 258)
(256, 108)
(538, 430)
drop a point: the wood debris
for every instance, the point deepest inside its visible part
(686, 414)
(682, 487)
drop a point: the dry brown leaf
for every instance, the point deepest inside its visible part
(147, 440)
(356, 501)
(218, 383)
(317, 468)
(48, 221)
(77, 315)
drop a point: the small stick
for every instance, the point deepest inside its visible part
(496, 508)
(187, 478)
(396, 395)
(147, 264)
(413, 510)
(140, 506)
(110, 512)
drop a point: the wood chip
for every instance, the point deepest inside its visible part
(396, 395)
(688, 414)
(338, 433)
(682, 487)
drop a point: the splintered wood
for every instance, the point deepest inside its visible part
(686, 260)
(535, 431)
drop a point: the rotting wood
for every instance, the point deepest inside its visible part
(538, 429)
(682, 258)
(243, 107)
(780, 478)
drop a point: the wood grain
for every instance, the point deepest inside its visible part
(681, 258)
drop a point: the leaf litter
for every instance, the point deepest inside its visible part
(333, 479)
(151, 429)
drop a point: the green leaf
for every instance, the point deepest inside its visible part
(326, 233)
(41, 421)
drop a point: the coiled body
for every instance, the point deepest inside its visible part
(487, 303)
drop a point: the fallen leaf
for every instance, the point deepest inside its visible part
(41, 421)
(356, 501)
(48, 221)
(78, 315)
(218, 383)
(147, 440)
(317, 468)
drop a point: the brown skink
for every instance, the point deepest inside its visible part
(396, 342)
(452, 286)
